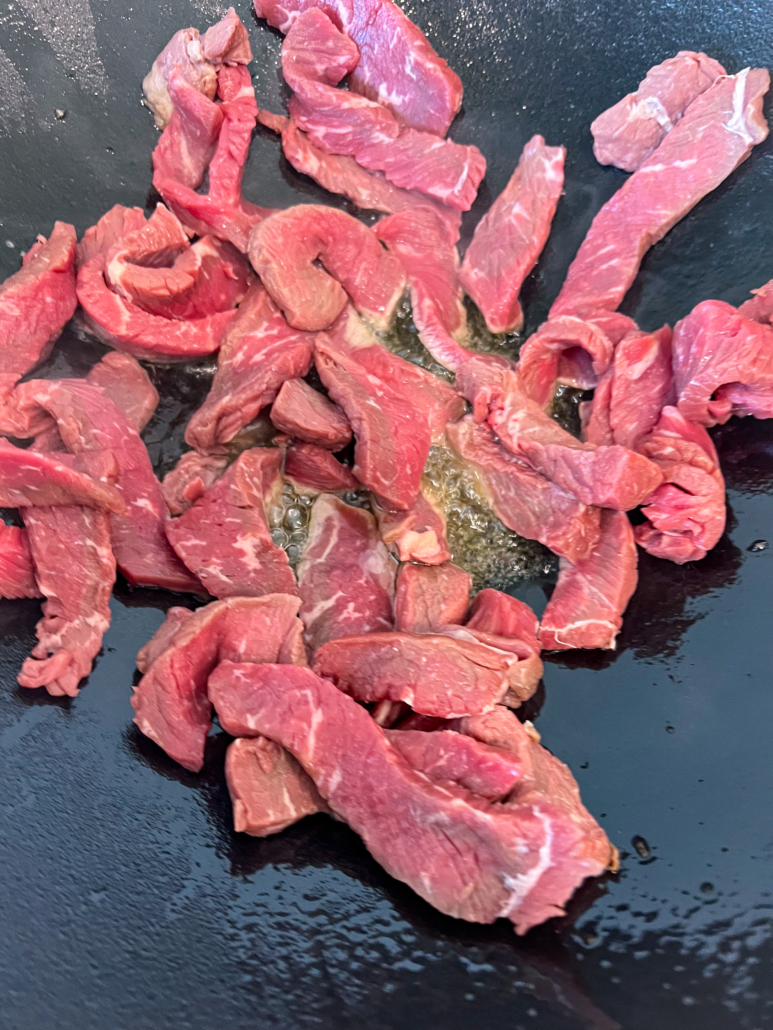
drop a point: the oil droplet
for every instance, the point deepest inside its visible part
(707, 888)
(758, 545)
(641, 847)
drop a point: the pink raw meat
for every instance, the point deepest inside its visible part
(628, 132)
(35, 304)
(269, 789)
(125, 382)
(686, 515)
(716, 134)
(759, 307)
(587, 605)
(170, 701)
(17, 572)
(189, 141)
(523, 500)
(162, 638)
(723, 365)
(398, 66)
(285, 247)
(306, 414)
(314, 470)
(418, 534)
(511, 235)
(470, 858)
(450, 757)
(420, 241)
(258, 353)
(346, 578)
(428, 597)
(101, 237)
(31, 479)
(225, 539)
(494, 612)
(190, 479)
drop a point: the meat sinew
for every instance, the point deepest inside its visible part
(418, 534)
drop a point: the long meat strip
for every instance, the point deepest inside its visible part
(17, 570)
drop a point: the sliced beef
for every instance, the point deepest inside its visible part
(587, 605)
(346, 578)
(190, 479)
(493, 611)
(284, 250)
(525, 668)
(269, 789)
(511, 235)
(162, 638)
(420, 241)
(306, 414)
(525, 501)
(17, 571)
(397, 67)
(189, 141)
(723, 364)
(170, 701)
(418, 534)
(449, 757)
(35, 304)
(715, 135)
(225, 539)
(430, 596)
(31, 479)
(627, 133)
(125, 382)
(259, 352)
(101, 237)
(313, 470)
(394, 407)
(759, 307)
(470, 858)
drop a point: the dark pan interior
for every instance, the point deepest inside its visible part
(127, 901)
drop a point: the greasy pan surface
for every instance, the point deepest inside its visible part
(126, 900)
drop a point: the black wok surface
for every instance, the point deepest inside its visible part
(126, 900)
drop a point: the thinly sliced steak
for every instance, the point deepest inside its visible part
(760, 306)
(430, 596)
(313, 470)
(190, 479)
(493, 611)
(170, 702)
(468, 857)
(31, 479)
(418, 534)
(125, 382)
(306, 414)
(104, 234)
(511, 235)
(449, 757)
(17, 571)
(162, 638)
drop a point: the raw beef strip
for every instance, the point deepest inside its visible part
(31, 479)
(316, 56)
(17, 572)
(162, 638)
(190, 479)
(428, 597)
(607, 476)
(716, 134)
(89, 421)
(511, 235)
(419, 240)
(258, 353)
(627, 133)
(35, 304)
(306, 414)
(587, 605)
(125, 382)
(398, 66)
(470, 858)
(225, 539)
(269, 789)
(418, 534)
(284, 250)
(686, 515)
(170, 701)
(525, 669)
(189, 141)
(523, 500)
(313, 470)
(759, 307)
(494, 612)
(101, 237)
(723, 365)
(346, 578)
(395, 408)
(450, 757)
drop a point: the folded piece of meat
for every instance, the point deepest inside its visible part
(716, 134)
(449, 757)
(525, 672)
(398, 66)
(225, 539)
(525, 501)
(686, 515)
(125, 382)
(723, 364)
(395, 408)
(31, 479)
(759, 307)
(418, 534)
(313, 470)
(628, 132)
(587, 605)
(269, 789)
(346, 578)
(17, 571)
(89, 421)
(190, 479)
(306, 414)
(162, 638)
(511, 235)
(258, 353)
(170, 701)
(101, 237)
(285, 247)
(495, 612)
(189, 141)
(420, 241)
(469, 857)
(430, 596)
(35, 304)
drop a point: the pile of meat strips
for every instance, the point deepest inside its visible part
(366, 683)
